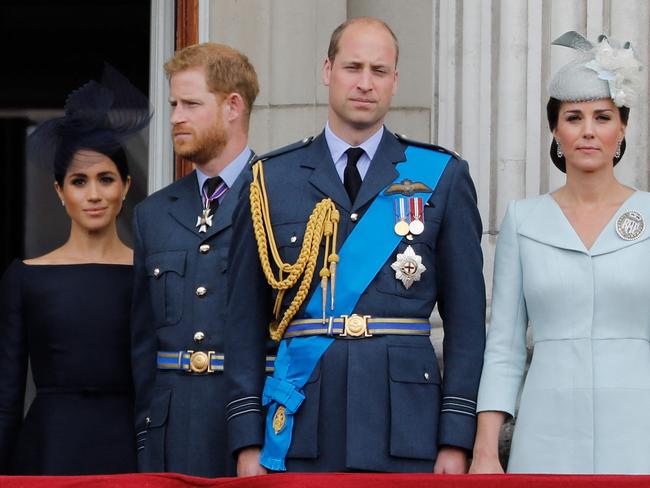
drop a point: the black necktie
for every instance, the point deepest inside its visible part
(351, 176)
(209, 189)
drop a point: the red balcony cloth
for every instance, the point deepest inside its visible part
(328, 480)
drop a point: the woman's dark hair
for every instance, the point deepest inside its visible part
(553, 115)
(118, 156)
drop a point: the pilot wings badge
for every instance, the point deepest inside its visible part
(407, 188)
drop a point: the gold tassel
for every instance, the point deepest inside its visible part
(334, 258)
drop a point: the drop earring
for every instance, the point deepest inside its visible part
(617, 154)
(560, 154)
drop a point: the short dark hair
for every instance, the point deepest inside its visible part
(333, 48)
(553, 116)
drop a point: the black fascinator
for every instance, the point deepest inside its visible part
(98, 116)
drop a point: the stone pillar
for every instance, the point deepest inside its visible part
(629, 22)
(287, 43)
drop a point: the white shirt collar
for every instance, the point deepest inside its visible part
(338, 146)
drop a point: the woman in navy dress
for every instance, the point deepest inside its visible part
(68, 311)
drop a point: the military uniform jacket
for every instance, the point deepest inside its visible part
(378, 403)
(180, 289)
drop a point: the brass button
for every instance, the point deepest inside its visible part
(198, 337)
(201, 291)
(293, 239)
(204, 248)
(354, 217)
(147, 421)
(156, 272)
(426, 376)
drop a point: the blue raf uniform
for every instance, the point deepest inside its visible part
(178, 321)
(373, 403)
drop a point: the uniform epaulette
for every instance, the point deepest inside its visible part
(286, 149)
(426, 145)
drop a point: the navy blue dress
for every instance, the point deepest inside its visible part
(72, 322)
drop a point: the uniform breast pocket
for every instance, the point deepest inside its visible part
(166, 271)
(418, 262)
(414, 401)
(289, 238)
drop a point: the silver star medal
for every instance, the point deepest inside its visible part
(204, 220)
(408, 267)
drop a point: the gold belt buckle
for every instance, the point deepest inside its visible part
(200, 361)
(355, 326)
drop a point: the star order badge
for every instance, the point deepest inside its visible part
(204, 220)
(408, 267)
(630, 225)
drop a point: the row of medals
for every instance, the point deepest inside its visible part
(409, 216)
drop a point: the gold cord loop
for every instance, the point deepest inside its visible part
(322, 223)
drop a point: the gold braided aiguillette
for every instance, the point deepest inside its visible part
(322, 223)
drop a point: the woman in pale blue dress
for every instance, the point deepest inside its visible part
(575, 265)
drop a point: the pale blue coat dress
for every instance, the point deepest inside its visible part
(585, 403)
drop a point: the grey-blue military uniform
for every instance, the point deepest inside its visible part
(179, 308)
(376, 403)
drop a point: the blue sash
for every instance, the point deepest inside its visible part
(297, 357)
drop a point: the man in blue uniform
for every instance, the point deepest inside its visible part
(360, 233)
(182, 236)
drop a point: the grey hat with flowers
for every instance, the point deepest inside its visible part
(602, 69)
